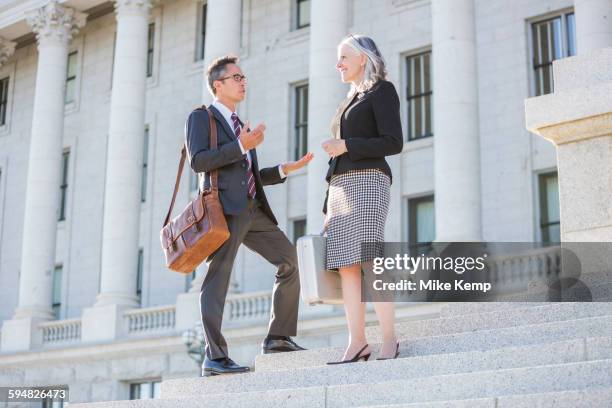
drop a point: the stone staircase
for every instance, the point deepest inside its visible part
(493, 355)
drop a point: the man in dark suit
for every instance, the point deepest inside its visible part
(249, 217)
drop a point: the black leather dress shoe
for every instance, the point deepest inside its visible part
(279, 346)
(226, 366)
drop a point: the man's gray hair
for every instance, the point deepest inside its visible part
(217, 69)
(375, 66)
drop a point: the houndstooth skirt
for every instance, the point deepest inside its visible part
(357, 208)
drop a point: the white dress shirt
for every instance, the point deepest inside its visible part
(227, 114)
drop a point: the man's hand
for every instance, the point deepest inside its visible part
(252, 139)
(334, 147)
(298, 164)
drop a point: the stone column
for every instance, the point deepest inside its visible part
(7, 49)
(121, 223)
(328, 25)
(577, 119)
(455, 113)
(593, 24)
(223, 22)
(54, 26)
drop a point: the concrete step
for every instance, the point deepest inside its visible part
(403, 368)
(457, 342)
(585, 398)
(467, 308)
(477, 385)
(482, 384)
(494, 319)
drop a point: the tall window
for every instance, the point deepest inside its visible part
(150, 49)
(64, 186)
(139, 275)
(145, 390)
(419, 95)
(299, 229)
(552, 39)
(421, 222)
(4, 85)
(145, 165)
(201, 34)
(302, 14)
(301, 121)
(550, 221)
(57, 291)
(71, 77)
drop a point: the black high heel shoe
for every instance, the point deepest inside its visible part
(357, 357)
(396, 354)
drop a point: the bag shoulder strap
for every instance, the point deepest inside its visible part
(179, 173)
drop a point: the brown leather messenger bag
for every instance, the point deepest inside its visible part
(201, 228)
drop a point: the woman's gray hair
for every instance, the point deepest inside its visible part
(375, 66)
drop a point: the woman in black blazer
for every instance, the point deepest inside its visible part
(365, 129)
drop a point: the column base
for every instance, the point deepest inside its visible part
(21, 334)
(103, 323)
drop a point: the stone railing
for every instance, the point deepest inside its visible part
(245, 307)
(150, 320)
(531, 265)
(61, 331)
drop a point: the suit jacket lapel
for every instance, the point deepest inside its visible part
(335, 125)
(223, 122)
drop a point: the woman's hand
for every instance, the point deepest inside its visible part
(298, 164)
(334, 147)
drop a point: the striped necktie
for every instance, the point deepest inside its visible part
(251, 182)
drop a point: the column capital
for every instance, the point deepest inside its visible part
(7, 48)
(54, 22)
(141, 7)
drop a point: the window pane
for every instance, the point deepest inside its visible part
(549, 207)
(201, 33)
(421, 221)
(145, 164)
(57, 284)
(57, 291)
(419, 94)
(70, 87)
(426, 72)
(571, 35)
(156, 389)
(425, 221)
(150, 49)
(557, 39)
(301, 121)
(146, 391)
(134, 391)
(552, 199)
(303, 13)
(3, 99)
(139, 275)
(548, 45)
(72, 65)
(64, 186)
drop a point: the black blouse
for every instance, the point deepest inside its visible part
(371, 126)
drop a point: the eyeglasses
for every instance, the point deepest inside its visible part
(237, 78)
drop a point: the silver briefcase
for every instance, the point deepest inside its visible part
(318, 285)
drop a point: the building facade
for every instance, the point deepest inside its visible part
(94, 95)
